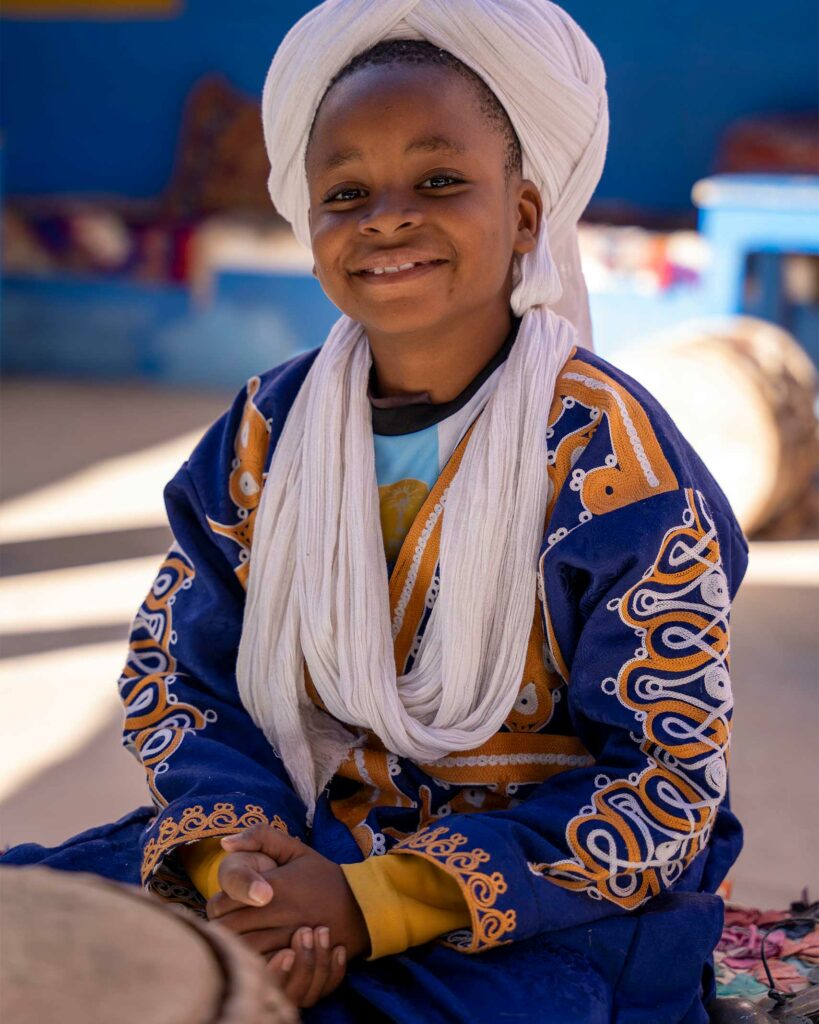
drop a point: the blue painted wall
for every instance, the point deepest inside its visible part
(95, 106)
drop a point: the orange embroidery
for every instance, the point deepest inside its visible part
(247, 478)
(640, 833)
(480, 890)
(194, 824)
(510, 758)
(413, 575)
(155, 722)
(638, 467)
(540, 688)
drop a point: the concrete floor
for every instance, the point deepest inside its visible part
(70, 454)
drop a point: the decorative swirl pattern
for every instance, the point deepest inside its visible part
(155, 720)
(196, 824)
(587, 400)
(641, 833)
(246, 479)
(480, 890)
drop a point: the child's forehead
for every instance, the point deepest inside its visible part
(391, 103)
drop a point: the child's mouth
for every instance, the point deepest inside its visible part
(399, 272)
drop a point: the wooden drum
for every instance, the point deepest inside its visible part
(80, 950)
(743, 392)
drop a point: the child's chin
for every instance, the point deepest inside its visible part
(409, 316)
(416, 309)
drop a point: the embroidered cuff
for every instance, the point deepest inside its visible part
(489, 911)
(169, 832)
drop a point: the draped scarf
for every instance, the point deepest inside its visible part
(318, 589)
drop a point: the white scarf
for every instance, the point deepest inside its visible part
(318, 588)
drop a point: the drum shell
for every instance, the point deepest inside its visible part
(83, 950)
(743, 392)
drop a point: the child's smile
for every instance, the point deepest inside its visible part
(394, 266)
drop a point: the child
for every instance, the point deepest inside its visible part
(507, 737)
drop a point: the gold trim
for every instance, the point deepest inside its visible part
(480, 890)
(155, 619)
(246, 480)
(194, 824)
(518, 758)
(414, 611)
(662, 797)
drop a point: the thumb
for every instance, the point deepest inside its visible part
(263, 839)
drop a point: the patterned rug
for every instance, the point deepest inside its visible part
(791, 942)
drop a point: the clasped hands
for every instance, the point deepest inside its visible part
(291, 905)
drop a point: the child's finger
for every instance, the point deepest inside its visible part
(338, 968)
(321, 967)
(254, 919)
(262, 838)
(280, 965)
(300, 975)
(219, 904)
(240, 879)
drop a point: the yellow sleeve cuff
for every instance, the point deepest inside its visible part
(406, 901)
(201, 860)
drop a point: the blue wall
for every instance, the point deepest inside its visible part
(95, 106)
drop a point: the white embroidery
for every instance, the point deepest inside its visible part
(631, 430)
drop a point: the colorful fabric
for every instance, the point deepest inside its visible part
(413, 443)
(405, 901)
(587, 836)
(317, 506)
(791, 950)
(317, 598)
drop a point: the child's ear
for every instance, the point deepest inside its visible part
(309, 225)
(529, 212)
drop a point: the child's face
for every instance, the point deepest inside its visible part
(403, 167)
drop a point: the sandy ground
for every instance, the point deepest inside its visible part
(81, 472)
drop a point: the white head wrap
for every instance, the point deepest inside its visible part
(539, 63)
(317, 584)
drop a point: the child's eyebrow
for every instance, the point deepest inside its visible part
(424, 144)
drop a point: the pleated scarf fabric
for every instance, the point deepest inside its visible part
(318, 588)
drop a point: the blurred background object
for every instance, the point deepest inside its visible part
(138, 233)
(86, 960)
(743, 392)
(146, 276)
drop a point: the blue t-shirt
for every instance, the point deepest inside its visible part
(414, 441)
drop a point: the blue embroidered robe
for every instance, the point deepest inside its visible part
(588, 835)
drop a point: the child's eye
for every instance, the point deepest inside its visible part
(344, 195)
(440, 181)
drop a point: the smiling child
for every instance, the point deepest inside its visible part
(438, 664)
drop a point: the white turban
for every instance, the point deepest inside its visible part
(540, 64)
(317, 587)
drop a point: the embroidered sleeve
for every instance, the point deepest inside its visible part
(210, 771)
(640, 829)
(637, 612)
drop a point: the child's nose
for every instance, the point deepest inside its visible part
(388, 215)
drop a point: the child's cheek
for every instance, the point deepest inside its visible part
(326, 242)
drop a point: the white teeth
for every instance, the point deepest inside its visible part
(395, 270)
